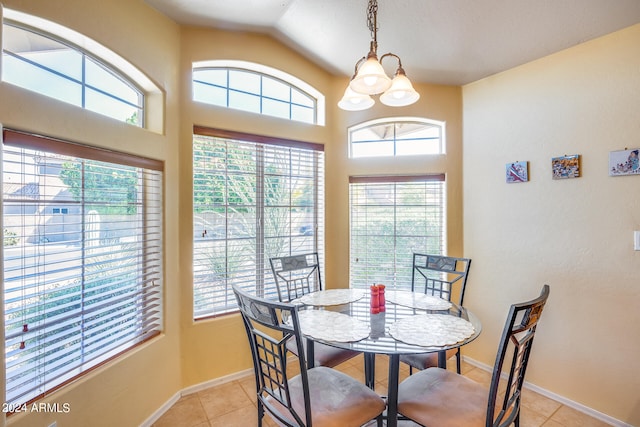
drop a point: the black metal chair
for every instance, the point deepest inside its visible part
(436, 275)
(315, 397)
(296, 276)
(437, 397)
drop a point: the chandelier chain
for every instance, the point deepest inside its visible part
(372, 21)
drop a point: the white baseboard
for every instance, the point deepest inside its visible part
(551, 395)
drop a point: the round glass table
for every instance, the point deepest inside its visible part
(411, 323)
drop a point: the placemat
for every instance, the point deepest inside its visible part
(417, 300)
(431, 330)
(331, 326)
(331, 297)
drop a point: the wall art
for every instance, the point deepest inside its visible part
(517, 172)
(624, 162)
(564, 167)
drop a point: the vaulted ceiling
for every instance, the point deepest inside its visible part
(440, 41)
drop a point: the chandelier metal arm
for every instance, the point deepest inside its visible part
(395, 56)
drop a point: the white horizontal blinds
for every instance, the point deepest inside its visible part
(391, 218)
(252, 201)
(82, 260)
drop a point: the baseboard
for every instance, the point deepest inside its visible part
(551, 395)
(161, 410)
(193, 389)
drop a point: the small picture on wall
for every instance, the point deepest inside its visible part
(624, 162)
(517, 172)
(566, 166)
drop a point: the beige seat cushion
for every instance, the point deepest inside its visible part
(436, 397)
(324, 355)
(425, 360)
(337, 400)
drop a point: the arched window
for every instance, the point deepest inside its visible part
(258, 89)
(397, 136)
(45, 57)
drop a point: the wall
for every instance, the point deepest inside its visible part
(126, 391)
(575, 235)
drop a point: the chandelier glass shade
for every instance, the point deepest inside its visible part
(353, 101)
(371, 79)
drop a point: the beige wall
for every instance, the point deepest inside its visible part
(126, 391)
(575, 235)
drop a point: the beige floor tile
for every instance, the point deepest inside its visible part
(531, 418)
(186, 412)
(551, 423)
(223, 399)
(569, 417)
(248, 384)
(539, 403)
(239, 417)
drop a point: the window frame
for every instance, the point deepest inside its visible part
(146, 285)
(153, 103)
(396, 122)
(263, 71)
(82, 81)
(261, 280)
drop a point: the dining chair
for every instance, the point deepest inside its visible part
(437, 397)
(436, 275)
(319, 396)
(296, 276)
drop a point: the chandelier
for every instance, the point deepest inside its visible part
(370, 78)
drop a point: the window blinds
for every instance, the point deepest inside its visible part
(391, 218)
(254, 198)
(82, 259)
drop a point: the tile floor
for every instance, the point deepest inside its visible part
(233, 404)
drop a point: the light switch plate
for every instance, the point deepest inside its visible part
(636, 240)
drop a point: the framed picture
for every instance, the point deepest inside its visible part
(517, 172)
(624, 162)
(566, 166)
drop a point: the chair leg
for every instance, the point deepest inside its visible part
(260, 413)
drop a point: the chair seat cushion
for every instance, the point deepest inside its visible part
(324, 355)
(425, 360)
(437, 397)
(337, 400)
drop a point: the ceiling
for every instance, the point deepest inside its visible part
(440, 41)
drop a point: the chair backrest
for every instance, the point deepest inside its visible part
(436, 275)
(296, 275)
(517, 339)
(269, 325)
